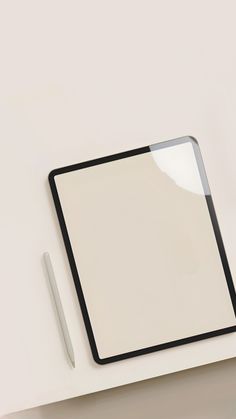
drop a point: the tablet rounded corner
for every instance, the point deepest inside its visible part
(51, 176)
(193, 140)
(98, 360)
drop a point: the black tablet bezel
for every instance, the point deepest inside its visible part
(73, 266)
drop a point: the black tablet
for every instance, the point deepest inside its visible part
(145, 249)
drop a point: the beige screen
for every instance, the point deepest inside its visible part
(145, 250)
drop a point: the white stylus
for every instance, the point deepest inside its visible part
(59, 308)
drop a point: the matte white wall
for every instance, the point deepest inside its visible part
(112, 73)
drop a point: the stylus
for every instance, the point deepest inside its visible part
(59, 308)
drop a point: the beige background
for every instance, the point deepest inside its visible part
(109, 76)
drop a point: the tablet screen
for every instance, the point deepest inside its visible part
(145, 249)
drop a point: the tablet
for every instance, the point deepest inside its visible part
(145, 249)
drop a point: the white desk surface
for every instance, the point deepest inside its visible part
(75, 87)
